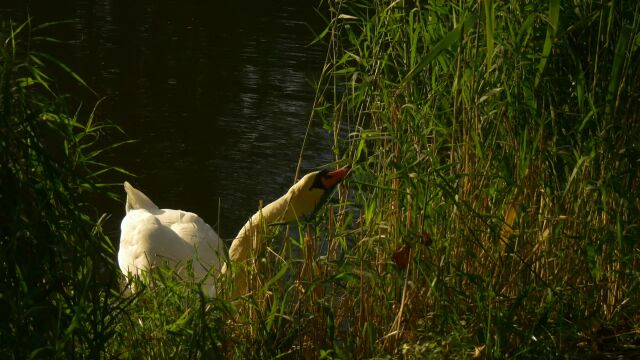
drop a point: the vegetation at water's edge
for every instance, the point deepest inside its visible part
(55, 263)
(492, 212)
(508, 131)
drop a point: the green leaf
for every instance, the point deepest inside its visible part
(489, 13)
(452, 38)
(618, 60)
(554, 16)
(65, 68)
(275, 278)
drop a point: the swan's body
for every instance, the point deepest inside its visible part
(301, 200)
(151, 237)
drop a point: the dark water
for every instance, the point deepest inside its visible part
(218, 95)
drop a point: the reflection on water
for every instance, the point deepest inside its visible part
(218, 95)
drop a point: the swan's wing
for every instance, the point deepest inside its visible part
(174, 237)
(136, 199)
(208, 247)
(145, 242)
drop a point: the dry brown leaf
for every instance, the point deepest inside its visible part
(477, 351)
(402, 256)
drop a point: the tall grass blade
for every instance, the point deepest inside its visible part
(552, 27)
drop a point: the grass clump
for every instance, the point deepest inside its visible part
(55, 263)
(499, 142)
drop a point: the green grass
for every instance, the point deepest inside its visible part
(507, 131)
(497, 141)
(55, 264)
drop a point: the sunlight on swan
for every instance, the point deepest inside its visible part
(151, 237)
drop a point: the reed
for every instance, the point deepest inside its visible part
(505, 132)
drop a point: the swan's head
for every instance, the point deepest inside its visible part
(311, 190)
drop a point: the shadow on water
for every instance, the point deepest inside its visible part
(218, 95)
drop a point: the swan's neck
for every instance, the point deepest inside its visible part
(301, 200)
(247, 242)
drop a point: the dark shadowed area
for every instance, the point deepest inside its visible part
(217, 95)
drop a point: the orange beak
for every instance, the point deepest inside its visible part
(334, 177)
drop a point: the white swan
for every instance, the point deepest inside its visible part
(301, 199)
(151, 236)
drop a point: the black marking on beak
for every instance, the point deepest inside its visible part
(317, 181)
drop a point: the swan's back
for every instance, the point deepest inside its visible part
(151, 237)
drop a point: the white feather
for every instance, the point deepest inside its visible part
(151, 237)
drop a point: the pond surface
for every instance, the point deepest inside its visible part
(217, 94)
